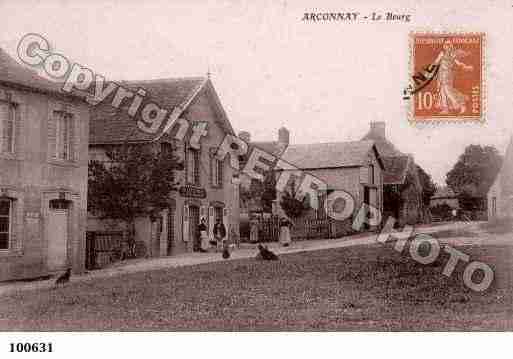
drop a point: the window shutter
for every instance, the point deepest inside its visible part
(196, 167)
(211, 222)
(185, 223)
(212, 169)
(4, 116)
(52, 136)
(220, 175)
(225, 216)
(17, 128)
(73, 153)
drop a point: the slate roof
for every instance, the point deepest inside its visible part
(110, 125)
(271, 147)
(395, 169)
(444, 192)
(14, 74)
(329, 155)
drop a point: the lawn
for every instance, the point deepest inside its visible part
(354, 288)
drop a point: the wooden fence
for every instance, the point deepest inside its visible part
(269, 229)
(103, 248)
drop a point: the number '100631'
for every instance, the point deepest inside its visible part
(31, 347)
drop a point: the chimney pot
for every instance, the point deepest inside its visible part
(283, 137)
(378, 129)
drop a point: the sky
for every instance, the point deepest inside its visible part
(324, 81)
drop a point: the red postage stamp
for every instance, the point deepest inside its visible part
(447, 76)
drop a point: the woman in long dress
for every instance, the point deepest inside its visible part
(253, 230)
(450, 98)
(285, 225)
(202, 227)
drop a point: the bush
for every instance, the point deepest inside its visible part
(444, 211)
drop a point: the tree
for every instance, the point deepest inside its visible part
(261, 191)
(292, 206)
(136, 181)
(473, 174)
(428, 186)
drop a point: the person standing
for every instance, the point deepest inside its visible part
(253, 230)
(285, 225)
(219, 232)
(202, 228)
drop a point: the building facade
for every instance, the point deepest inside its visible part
(500, 194)
(355, 167)
(402, 186)
(43, 177)
(207, 187)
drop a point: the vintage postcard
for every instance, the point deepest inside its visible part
(237, 166)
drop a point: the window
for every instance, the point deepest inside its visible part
(217, 172)
(218, 214)
(62, 136)
(7, 116)
(193, 167)
(5, 223)
(371, 174)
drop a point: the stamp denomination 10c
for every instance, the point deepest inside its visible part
(447, 76)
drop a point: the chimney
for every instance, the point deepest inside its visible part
(377, 129)
(245, 136)
(283, 137)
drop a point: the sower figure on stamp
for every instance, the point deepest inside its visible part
(449, 98)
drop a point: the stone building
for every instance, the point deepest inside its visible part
(402, 186)
(355, 167)
(43, 178)
(206, 187)
(500, 194)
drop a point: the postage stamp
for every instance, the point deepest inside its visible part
(447, 79)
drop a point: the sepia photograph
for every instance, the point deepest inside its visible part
(222, 166)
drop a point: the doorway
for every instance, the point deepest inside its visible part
(194, 237)
(366, 200)
(57, 234)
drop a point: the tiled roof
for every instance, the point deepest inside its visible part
(12, 73)
(443, 192)
(271, 147)
(111, 125)
(395, 169)
(329, 155)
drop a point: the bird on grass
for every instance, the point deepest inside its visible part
(64, 278)
(266, 254)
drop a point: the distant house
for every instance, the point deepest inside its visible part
(206, 187)
(43, 177)
(355, 167)
(500, 194)
(402, 186)
(445, 195)
(251, 204)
